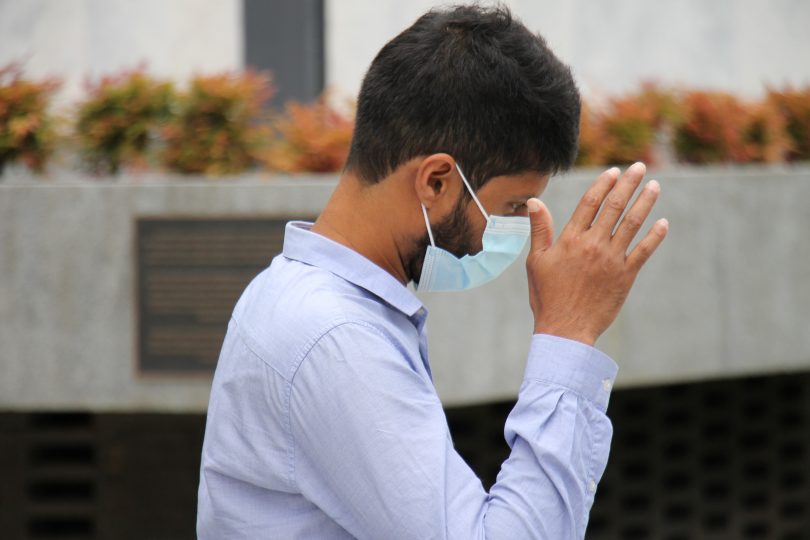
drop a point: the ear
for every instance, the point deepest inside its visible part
(437, 182)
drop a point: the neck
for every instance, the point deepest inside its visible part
(356, 217)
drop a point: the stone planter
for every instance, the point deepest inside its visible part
(728, 294)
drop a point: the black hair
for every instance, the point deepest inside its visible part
(472, 82)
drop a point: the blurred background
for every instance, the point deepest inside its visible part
(151, 152)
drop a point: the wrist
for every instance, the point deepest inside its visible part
(577, 334)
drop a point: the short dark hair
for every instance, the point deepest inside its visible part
(475, 83)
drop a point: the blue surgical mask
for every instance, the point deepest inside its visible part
(503, 240)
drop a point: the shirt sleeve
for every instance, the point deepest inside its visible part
(372, 449)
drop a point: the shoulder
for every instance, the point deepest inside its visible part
(291, 306)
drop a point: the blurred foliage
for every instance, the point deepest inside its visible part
(632, 123)
(218, 128)
(713, 129)
(700, 126)
(591, 138)
(27, 129)
(311, 138)
(765, 133)
(220, 125)
(629, 132)
(119, 122)
(717, 127)
(794, 106)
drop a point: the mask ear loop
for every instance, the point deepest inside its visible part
(427, 224)
(472, 193)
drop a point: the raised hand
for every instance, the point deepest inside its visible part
(577, 285)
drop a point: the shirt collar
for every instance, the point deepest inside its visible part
(301, 244)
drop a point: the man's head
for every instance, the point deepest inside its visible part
(471, 82)
(467, 86)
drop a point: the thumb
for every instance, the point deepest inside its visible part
(542, 225)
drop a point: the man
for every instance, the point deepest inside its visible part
(323, 420)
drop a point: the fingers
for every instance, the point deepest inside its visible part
(647, 246)
(542, 226)
(589, 205)
(636, 216)
(617, 200)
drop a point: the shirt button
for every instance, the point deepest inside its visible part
(607, 384)
(591, 486)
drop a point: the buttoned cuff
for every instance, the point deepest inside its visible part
(580, 368)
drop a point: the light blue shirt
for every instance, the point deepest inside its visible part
(323, 420)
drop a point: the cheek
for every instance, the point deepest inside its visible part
(476, 232)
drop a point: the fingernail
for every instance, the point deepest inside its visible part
(664, 223)
(654, 186)
(533, 205)
(614, 171)
(637, 167)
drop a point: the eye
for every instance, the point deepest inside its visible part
(516, 207)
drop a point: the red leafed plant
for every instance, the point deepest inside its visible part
(217, 129)
(118, 124)
(765, 133)
(631, 123)
(713, 129)
(310, 138)
(629, 132)
(27, 130)
(794, 106)
(591, 138)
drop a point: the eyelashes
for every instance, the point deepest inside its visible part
(517, 206)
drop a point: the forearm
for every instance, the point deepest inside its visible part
(560, 440)
(379, 460)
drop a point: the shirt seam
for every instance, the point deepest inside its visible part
(294, 370)
(591, 472)
(574, 391)
(400, 301)
(250, 344)
(254, 347)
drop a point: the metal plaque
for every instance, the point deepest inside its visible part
(191, 272)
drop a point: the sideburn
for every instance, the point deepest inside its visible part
(451, 234)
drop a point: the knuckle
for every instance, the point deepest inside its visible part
(568, 240)
(634, 221)
(592, 247)
(590, 200)
(615, 202)
(534, 263)
(644, 250)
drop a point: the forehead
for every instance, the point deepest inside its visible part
(523, 185)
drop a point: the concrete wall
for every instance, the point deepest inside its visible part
(612, 45)
(737, 45)
(728, 293)
(76, 39)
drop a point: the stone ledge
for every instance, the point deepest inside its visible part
(727, 295)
